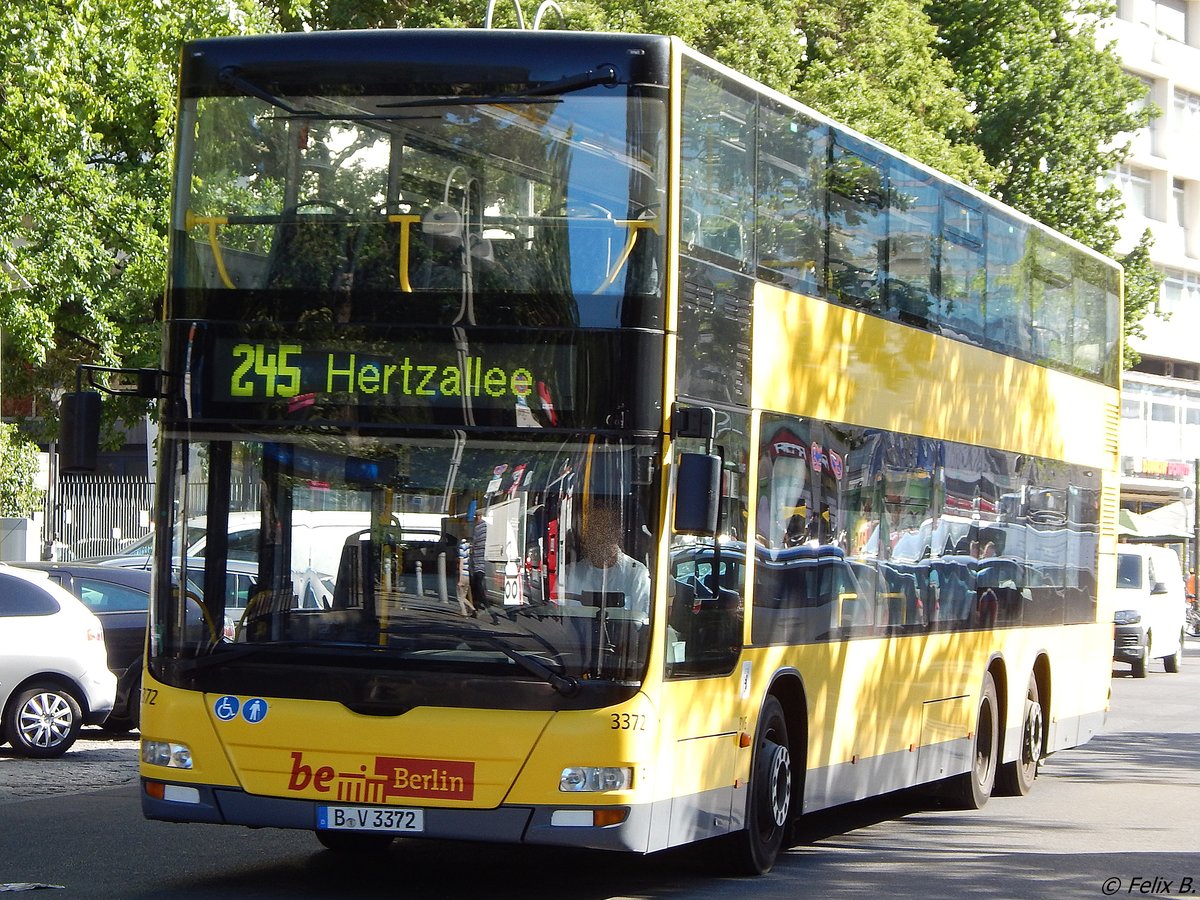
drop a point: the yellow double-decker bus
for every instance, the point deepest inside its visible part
(591, 447)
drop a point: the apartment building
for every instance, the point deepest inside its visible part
(1159, 42)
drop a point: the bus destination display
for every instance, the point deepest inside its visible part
(496, 376)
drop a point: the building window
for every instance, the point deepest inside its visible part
(1178, 196)
(1186, 371)
(1179, 289)
(1146, 101)
(1135, 186)
(1169, 18)
(1187, 116)
(1151, 365)
(1131, 408)
(1162, 412)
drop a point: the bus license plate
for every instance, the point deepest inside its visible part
(369, 818)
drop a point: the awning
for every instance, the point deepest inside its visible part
(1174, 521)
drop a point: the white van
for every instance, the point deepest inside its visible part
(1151, 607)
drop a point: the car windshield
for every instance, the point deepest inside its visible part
(1129, 571)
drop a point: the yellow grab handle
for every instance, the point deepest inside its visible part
(406, 223)
(634, 226)
(190, 220)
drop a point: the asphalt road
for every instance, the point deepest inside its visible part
(1117, 817)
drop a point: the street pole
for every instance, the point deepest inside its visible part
(1195, 566)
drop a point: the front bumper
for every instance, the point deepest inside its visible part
(504, 824)
(1129, 643)
(100, 690)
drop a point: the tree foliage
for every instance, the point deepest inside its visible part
(1052, 106)
(86, 121)
(1012, 96)
(19, 495)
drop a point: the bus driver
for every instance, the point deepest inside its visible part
(604, 567)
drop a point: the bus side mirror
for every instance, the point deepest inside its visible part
(79, 437)
(697, 494)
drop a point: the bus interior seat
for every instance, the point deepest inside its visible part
(375, 257)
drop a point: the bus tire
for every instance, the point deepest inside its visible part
(1015, 779)
(354, 841)
(973, 788)
(753, 850)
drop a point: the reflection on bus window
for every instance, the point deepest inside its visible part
(905, 534)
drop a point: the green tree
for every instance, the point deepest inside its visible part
(87, 105)
(1052, 106)
(1143, 283)
(1011, 96)
(19, 496)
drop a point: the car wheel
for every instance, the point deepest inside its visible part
(44, 721)
(1139, 664)
(129, 699)
(1171, 663)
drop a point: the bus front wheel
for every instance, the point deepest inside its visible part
(754, 849)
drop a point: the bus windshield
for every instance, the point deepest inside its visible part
(472, 556)
(433, 197)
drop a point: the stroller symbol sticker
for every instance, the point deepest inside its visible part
(226, 708)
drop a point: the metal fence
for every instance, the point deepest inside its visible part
(96, 515)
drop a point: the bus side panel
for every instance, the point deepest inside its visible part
(891, 713)
(910, 381)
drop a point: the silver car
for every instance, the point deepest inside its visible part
(54, 675)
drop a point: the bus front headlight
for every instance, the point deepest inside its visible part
(588, 779)
(166, 753)
(1127, 617)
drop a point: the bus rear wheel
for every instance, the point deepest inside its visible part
(1015, 779)
(974, 787)
(753, 851)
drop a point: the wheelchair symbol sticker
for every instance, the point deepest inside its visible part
(254, 711)
(226, 708)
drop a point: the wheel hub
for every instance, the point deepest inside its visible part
(779, 783)
(45, 720)
(1031, 744)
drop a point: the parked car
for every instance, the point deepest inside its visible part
(120, 598)
(1151, 608)
(317, 537)
(314, 590)
(54, 675)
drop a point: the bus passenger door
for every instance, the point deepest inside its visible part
(703, 693)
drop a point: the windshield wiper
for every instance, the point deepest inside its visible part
(604, 75)
(229, 77)
(233, 652)
(564, 684)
